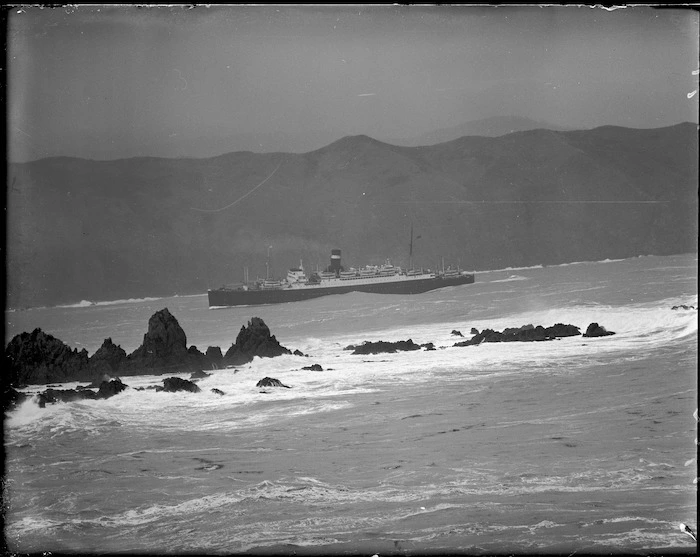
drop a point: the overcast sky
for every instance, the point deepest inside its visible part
(108, 82)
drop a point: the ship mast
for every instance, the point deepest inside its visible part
(267, 264)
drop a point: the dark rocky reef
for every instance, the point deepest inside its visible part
(271, 382)
(313, 367)
(595, 330)
(215, 356)
(254, 340)
(39, 358)
(382, 346)
(526, 333)
(110, 388)
(107, 389)
(456, 333)
(164, 349)
(683, 306)
(108, 358)
(175, 384)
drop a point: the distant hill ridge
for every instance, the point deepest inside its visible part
(99, 230)
(486, 127)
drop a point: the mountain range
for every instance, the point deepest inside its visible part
(172, 142)
(81, 229)
(486, 127)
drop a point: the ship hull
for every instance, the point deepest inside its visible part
(233, 297)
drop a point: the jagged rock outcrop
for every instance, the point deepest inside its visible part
(456, 333)
(313, 367)
(215, 357)
(428, 346)
(254, 340)
(108, 358)
(164, 346)
(107, 389)
(526, 333)
(174, 384)
(218, 392)
(52, 396)
(683, 306)
(198, 359)
(110, 388)
(595, 330)
(380, 346)
(40, 358)
(271, 382)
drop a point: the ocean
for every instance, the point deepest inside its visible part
(581, 445)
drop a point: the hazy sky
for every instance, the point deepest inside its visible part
(109, 81)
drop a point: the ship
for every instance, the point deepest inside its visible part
(335, 279)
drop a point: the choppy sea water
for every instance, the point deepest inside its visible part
(585, 445)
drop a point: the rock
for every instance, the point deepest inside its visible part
(11, 399)
(456, 333)
(314, 367)
(270, 382)
(559, 330)
(196, 358)
(164, 350)
(200, 375)
(173, 384)
(215, 357)
(40, 358)
(51, 396)
(381, 346)
(683, 306)
(298, 352)
(526, 333)
(254, 340)
(474, 331)
(110, 388)
(164, 346)
(428, 346)
(107, 389)
(217, 392)
(595, 330)
(108, 358)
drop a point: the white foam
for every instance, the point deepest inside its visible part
(28, 412)
(81, 304)
(511, 278)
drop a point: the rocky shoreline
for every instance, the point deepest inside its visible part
(37, 358)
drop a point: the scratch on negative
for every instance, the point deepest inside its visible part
(240, 198)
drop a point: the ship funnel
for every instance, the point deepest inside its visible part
(335, 261)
